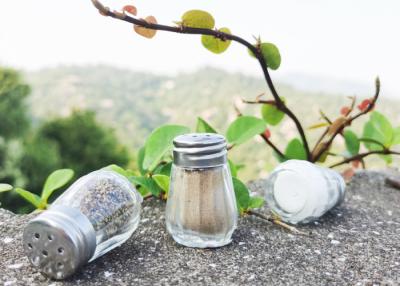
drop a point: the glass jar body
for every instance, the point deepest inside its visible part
(111, 204)
(201, 208)
(301, 192)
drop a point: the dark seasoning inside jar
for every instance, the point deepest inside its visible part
(97, 213)
(107, 206)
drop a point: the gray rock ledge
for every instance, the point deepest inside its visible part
(355, 244)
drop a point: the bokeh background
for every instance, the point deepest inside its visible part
(83, 91)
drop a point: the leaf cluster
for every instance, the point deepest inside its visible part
(54, 181)
(155, 160)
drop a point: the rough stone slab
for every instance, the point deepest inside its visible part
(356, 244)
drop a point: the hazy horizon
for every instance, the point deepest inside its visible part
(339, 41)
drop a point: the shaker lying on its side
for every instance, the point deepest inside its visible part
(201, 208)
(97, 213)
(300, 192)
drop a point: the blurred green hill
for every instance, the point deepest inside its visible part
(134, 103)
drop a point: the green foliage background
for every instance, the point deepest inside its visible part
(68, 120)
(135, 103)
(29, 155)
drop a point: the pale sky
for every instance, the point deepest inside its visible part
(341, 39)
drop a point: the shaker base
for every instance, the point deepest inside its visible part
(201, 240)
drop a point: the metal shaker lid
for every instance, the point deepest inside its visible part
(200, 150)
(59, 241)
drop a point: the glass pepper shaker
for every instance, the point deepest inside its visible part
(300, 192)
(99, 212)
(201, 207)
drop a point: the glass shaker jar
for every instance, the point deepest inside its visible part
(300, 192)
(99, 212)
(201, 207)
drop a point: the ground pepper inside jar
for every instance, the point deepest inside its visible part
(204, 208)
(97, 213)
(107, 206)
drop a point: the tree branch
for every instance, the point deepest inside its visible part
(278, 222)
(348, 121)
(273, 146)
(393, 182)
(373, 141)
(363, 155)
(220, 35)
(325, 117)
(259, 101)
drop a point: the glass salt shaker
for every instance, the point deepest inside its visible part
(99, 212)
(300, 192)
(201, 207)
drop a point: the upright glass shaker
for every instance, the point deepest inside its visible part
(201, 208)
(99, 212)
(300, 192)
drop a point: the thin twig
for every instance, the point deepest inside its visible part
(258, 97)
(278, 222)
(373, 141)
(223, 36)
(348, 122)
(352, 105)
(273, 146)
(363, 165)
(325, 117)
(363, 155)
(259, 101)
(147, 197)
(317, 144)
(320, 139)
(393, 182)
(237, 110)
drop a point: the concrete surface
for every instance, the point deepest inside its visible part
(355, 244)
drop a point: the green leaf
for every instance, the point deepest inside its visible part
(198, 19)
(383, 126)
(270, 54)
(214, 44)
(378, 128)
(32, 198)
(295, 150)
(256, 202)
(56, 180)
(159, 143)
(140, 158)
(164, 169)
(370, 132)
(396, 136)
(232, 168)
(352, 142)
(148, 184)
(116, 169)
(242, 195)
(244, 128)
(204, 127)
(271, 114)
(162, 181)
(5, 188)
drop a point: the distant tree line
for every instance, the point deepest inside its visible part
(28, 155)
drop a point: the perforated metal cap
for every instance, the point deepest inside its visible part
(59, 241)
(199, 150)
